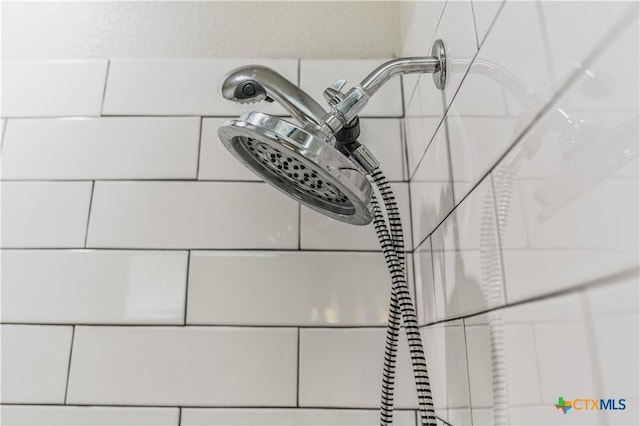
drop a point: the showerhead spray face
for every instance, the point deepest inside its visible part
(301, 164)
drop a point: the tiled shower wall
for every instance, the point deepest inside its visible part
(524, 195)
(149, 279)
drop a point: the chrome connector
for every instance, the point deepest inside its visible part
(365, 159)
(333, 95)
(351, 103)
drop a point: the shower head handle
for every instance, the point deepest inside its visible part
(254, 83)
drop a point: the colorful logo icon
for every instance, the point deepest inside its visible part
(563, 405)
(588, 404)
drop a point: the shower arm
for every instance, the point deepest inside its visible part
(345, 107)
(386, 71)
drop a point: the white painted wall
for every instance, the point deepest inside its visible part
(63, 30)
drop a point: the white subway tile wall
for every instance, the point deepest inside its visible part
(191, 215)
(336, 372)
(45, 214)
(149, 279)
(35, 361)
(288, 288)
(101, 148)
(180, 86)
(94, 286)
(53, 89)
(525, 219)
(34, 415)
(288, 417)
(184, 366)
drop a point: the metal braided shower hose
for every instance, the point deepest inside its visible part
(401, 306)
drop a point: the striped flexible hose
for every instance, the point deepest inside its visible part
(393, 250)
(393, 324)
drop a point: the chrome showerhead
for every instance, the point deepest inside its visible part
(301, 164)
(319, 162)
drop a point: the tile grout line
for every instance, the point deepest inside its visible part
(104, 90)
(179, 416)
(278, 249)
(186, 289)
(202, 325)
(536, 362)
(178, 180)
(413, 90)
(413, 263)
(412, 173)
(594, 360)
(475, 24)
(402, 96)
(445, 422)
(298, 370)
(444, 7)
(606, 280)
(66, 388)
(405, 148)
(203, 249)
(202, 114)
(199, 159)
(466, 356)
(299, 227)
(213, 407)
(4, 131)
(492, 24)
(86, 230)
(445, 122)
(415, 288)
(433, 275)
